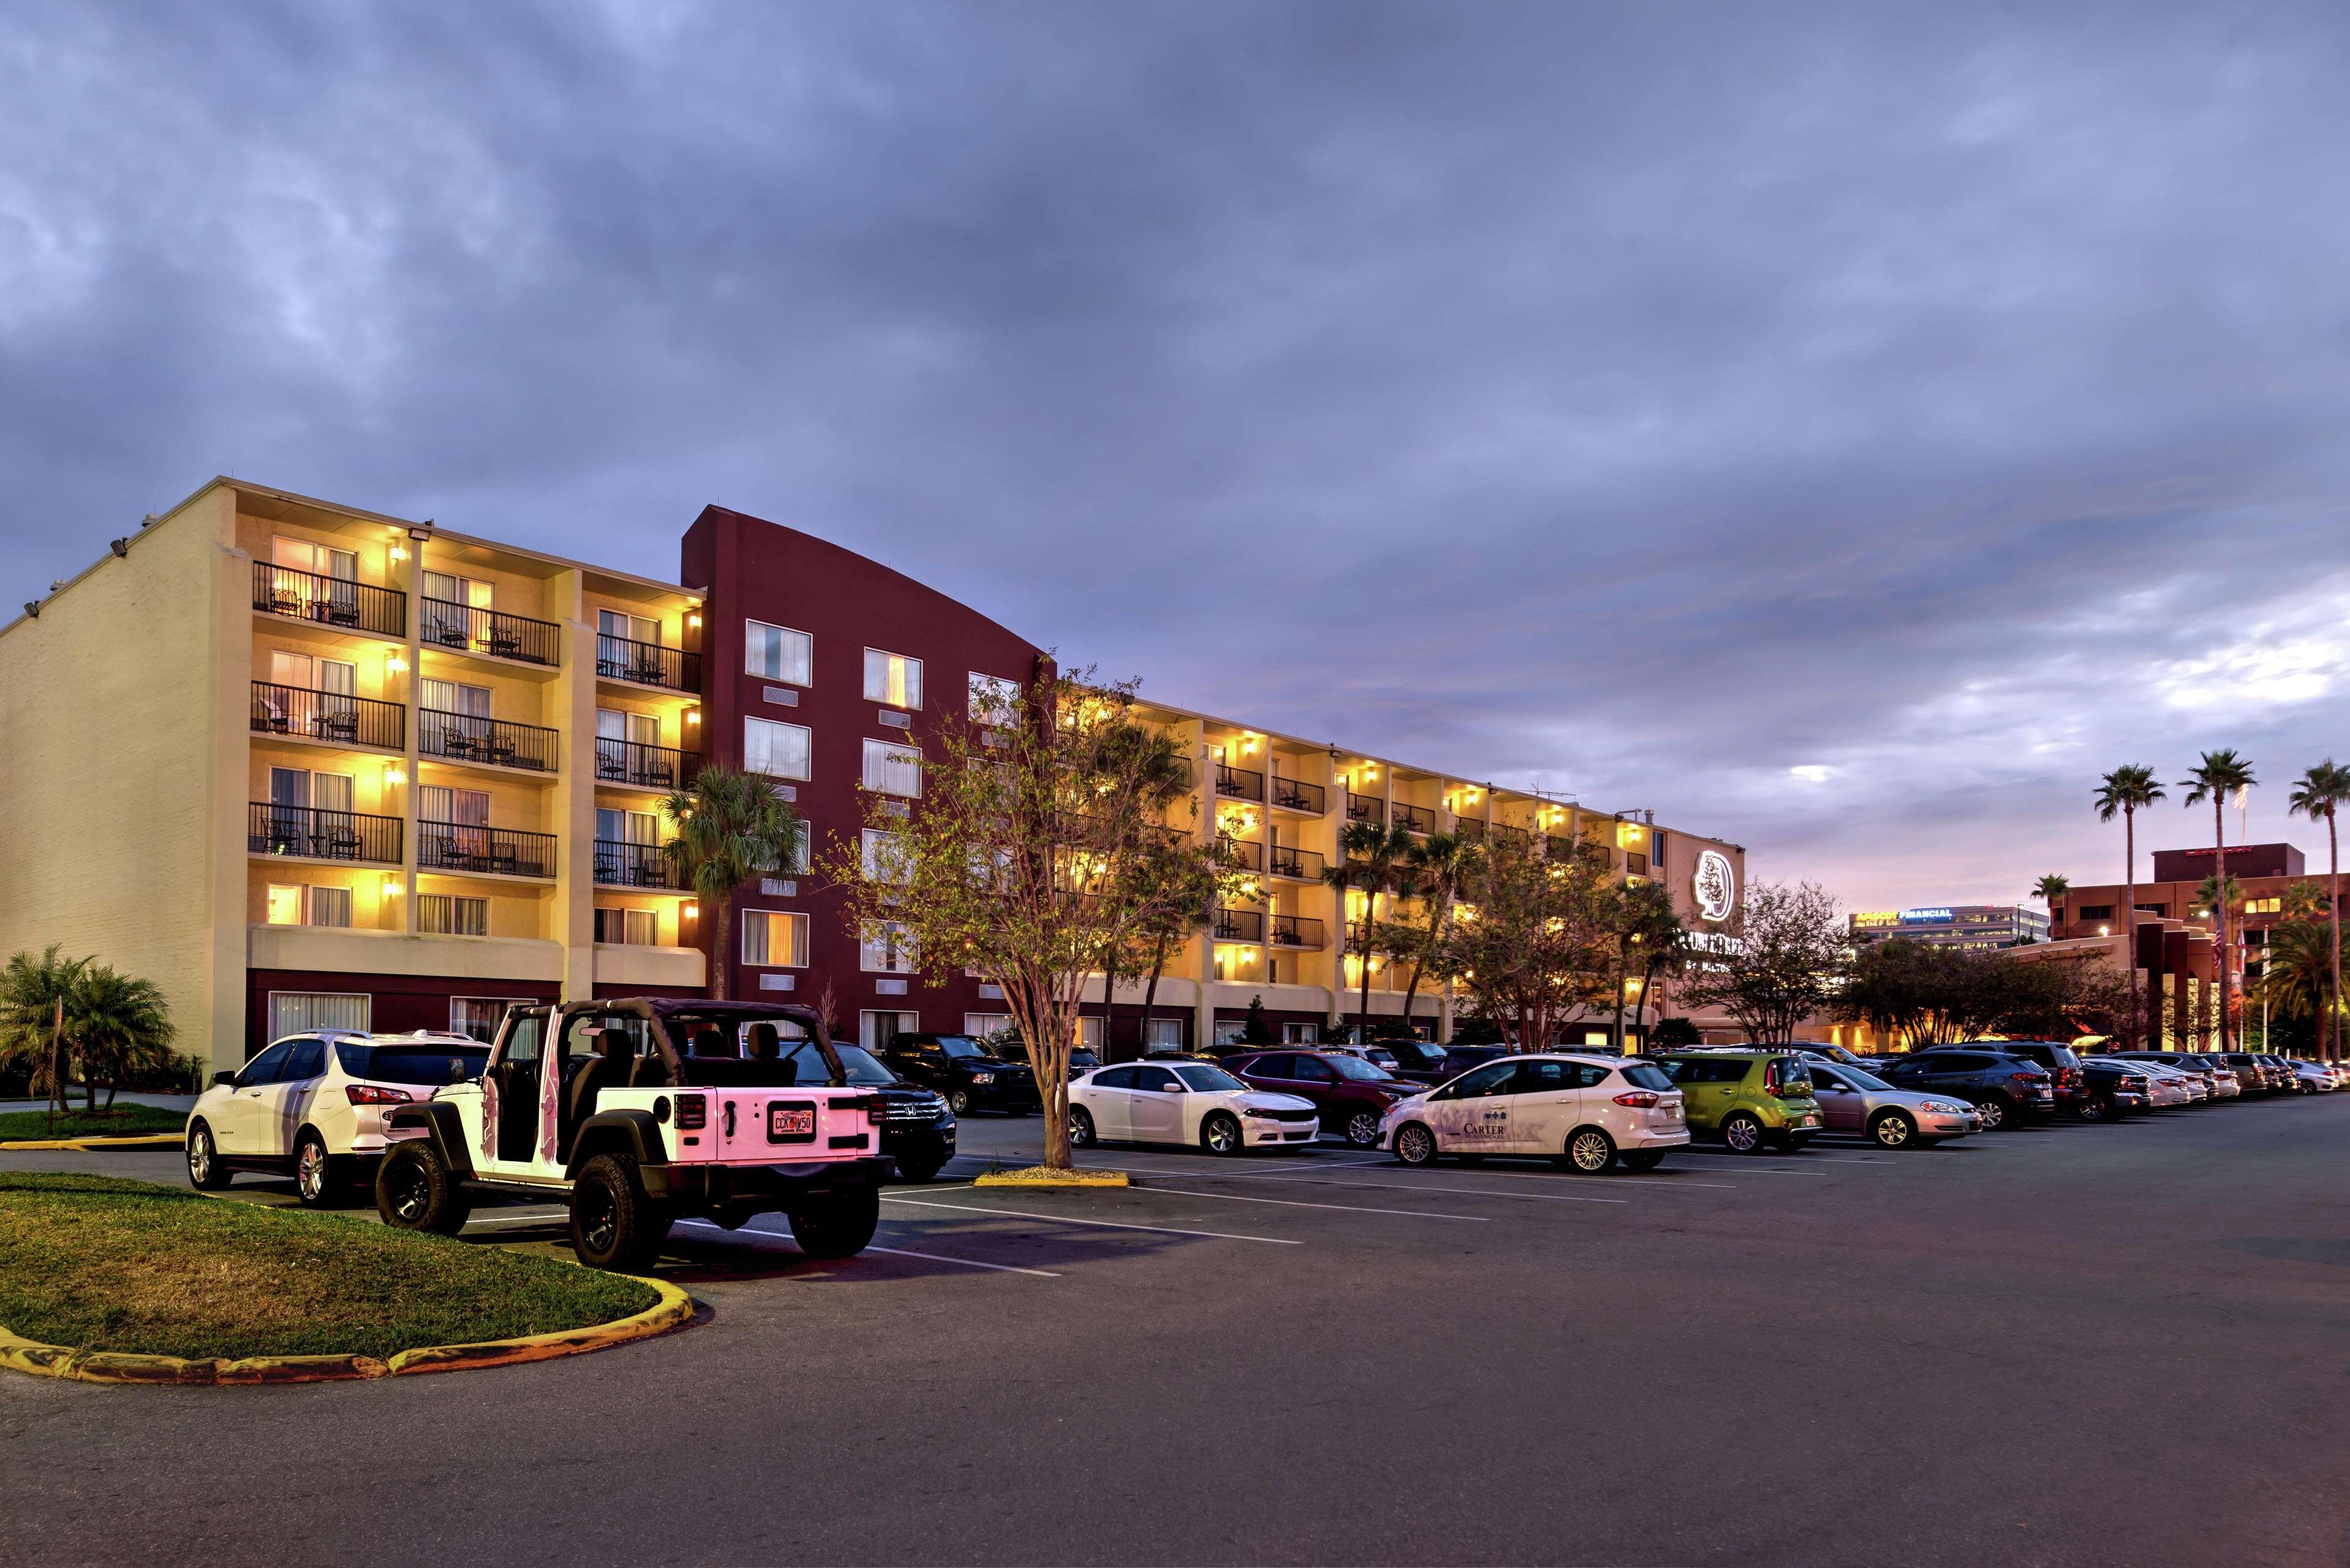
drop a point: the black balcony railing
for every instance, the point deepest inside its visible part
(1290, 794)
(469, 629)
(465, 738)
(1363, 807)
(1472, 828)
(1243, 854)
(1516, 836)
(334, 601)
(619, 864)
(1240, 926)
(648, 664)
(1414, 818)
(646, 766)
(459, 846)
(1558, 846)
(1297, 932)
(1288, 860)
(327, 716)
(317, 835)
(1239, 782)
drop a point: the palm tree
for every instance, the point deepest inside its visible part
(2220, 775)
(120, 1024)
(2126, 791)
(2297, 970)
(2321, 792)
(1369, 855)
(731, 826)
(2050, 888)
(31, 993)
(1437, 866)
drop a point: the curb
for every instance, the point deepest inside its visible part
(91, 1145)
(1076, 1178)
(674, 1310)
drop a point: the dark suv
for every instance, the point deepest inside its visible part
(964, 1071)
(1459, 1059)
(1416, 1059)
(1350, 1093)
(2059, 1062)
(2006, 1089)
(2111, 1089)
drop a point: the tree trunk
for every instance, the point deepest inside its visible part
(56, 1068)
(2219, 912)
(1151, 993)
(1647, 986)
(2334, 920)
(2129, 918)
(1363, 1011)
(720, 948)
(1622, 973)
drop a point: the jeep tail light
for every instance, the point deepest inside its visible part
(372, 1094)
(1640, 1098)
(877, 1109)
(692, 1111)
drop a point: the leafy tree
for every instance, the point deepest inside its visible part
(2124, 792)
(1183, 888)
(2220, 775)
(1535, 942)
(1370, 859)
(1162, 777)
(2211, 894)
(1673, 1034)
(732, 826)
(1436, 866)
(121, 1027)
(2321, 793)
(1783, 965)
(1649, 934)
(1256, 1028)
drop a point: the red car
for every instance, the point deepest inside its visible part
(1350, 1093)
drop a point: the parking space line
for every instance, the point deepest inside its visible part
(893, 1252)
(1343, 1208)
(1521, 1176)
(1481, 1192)
(1807, 1159)
(1107, 1224)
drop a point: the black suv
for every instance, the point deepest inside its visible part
(2007, 1090)
(2111, 1089)
(1459, 1059)
(2059, 1062)
(1415, 1059)
(918, 1130)
(964, 1071)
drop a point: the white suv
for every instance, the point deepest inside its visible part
(1584, 1111)
(312, 1106)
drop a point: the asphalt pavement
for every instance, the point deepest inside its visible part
(2109, 1345)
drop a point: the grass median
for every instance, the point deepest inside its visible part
(104, 1264)
(122, 1121)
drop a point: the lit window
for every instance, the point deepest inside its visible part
(2263, 906)
(887, 949)
(298, 904)
(772, 939)
(993, 699)
(779, 653)
(893, 770)
(628, 928)
(779, 750)
(892, 679)
(983, 1025)
(285, 904)
(444, 915)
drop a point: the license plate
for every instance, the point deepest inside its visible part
(1672, 1113)
(790, 1122)
(1807, 1121)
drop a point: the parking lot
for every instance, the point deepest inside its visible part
(2070, 1345)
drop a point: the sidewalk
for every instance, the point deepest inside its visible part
(161, 1102)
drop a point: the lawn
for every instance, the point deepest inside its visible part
(122, 1121)
(105, 1264)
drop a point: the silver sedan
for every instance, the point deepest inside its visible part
(1853, 1099)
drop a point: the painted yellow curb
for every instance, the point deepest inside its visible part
(90, 1145)
(674, 1310)
(1073, 1178)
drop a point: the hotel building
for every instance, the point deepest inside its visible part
(309, 766)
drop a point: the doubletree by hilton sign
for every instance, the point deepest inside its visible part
(1715, 885)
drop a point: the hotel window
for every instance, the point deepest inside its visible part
(446, 914)
(892, 679)
(993, 699)
(299, 904)
(319, 560)
(448, 601)
(308, 1011)
(635, 628)
(893, 770)
(876, 1030)
(779, 750)
(772, 939)
(884, 857)
(478, 1016)
(628, 928)
(887, 949)
(779, 653)
(2093, 912)
(1163, 1035)
(2263, 906)
(981, 1025)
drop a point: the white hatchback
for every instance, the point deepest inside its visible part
(1584, 1111)
(1193, 1102)
(311, 1106)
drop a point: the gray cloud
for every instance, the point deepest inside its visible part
(1647, 401)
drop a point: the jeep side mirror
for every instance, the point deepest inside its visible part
(221, 1079)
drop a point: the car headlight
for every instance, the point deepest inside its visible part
(1944, 1108)
(1258, 1111)
(983, 1077)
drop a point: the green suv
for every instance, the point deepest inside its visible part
(1746, 1099)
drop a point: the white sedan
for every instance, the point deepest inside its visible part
(1585, 1112)
(1190, 1103)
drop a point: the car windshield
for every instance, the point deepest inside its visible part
(1201, 1078)
(861, 1067)
(961, 1045)
(1354, 1069)
(422, 1064)
(1860, 1079)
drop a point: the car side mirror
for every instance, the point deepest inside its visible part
(221, 1080)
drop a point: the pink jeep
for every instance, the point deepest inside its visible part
(644, 1112)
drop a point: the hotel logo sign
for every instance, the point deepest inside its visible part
(1715, 886)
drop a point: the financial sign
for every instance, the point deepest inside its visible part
(1925, 917)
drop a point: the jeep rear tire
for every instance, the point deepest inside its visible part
(416, 1190)
(614, 1225)
(838, 1224)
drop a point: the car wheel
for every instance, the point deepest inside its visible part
(918, 1171)
(416, 1190)
(1742, 1134)
(614, 1224)
(1220, 1134)
(319, 1180)
(1993, 1111)
(1363, 1129)
(1643, 1159)
(1590, 1151)
(1081, 1128)
(1414, 1145)
(1891, 1129)
(958, 1101)
(838, 1225)
(205, 1171)
(2093, 1110)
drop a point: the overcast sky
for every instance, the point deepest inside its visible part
(1846, 429)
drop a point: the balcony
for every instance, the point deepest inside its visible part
(1292, 795)
(648, 664)
(1414, 818)
(329, 716)
(314, 834)
(466, 738)
(619, 864)
(1557, 846)
(1238, 926)
(1239, 784)
(469, 628)
(498, 851)
(1305, 864)
(1241, 854)
(1635, 863)
(1515, 837)
(329, 601)
(1297, 932)
(646, 767)
(1469, 828)
(1364, 807)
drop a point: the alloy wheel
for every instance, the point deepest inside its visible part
(1992, 1114)
(1363, 1129)
(412, 1193)
(199, 1157)
(310, 1170)
(1892, 1132)
(1414, 1146)
(600, 1218)
(1223, 1135)
(1590, 1151)
(1743, 1134)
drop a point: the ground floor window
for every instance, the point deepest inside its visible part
(628, 928)
(308, 1012)
(1229, 1030)
(981, 1025)
(480, 1016)
(1301, 1033)
(1163, 1035)
(1090, 1034)
(446, 914)
(876, 1030)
